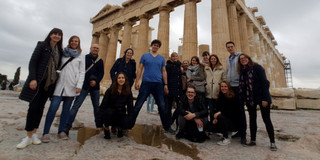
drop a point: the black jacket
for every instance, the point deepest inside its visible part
(200, 109)
(128, 68)
(37, 69)
(174, 78)
(95, 73)
(122, 103)
(228, 107)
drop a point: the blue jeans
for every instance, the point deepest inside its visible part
(156, 89)
(54, 106)
(150, 108)
(95, 96)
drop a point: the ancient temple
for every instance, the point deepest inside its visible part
(231, 20)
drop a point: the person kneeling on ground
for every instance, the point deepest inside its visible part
(193, 116)
(117, 103)
(227, 115)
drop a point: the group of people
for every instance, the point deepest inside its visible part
(207, 97)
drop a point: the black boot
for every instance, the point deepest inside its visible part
(120, 133)
(106, 134)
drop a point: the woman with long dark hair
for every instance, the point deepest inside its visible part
(214, 75)
(253, 91)
(117, 103)
(126, 64)
(196, 76)
(41, 81)
(69, 84)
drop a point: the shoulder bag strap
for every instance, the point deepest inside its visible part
(93, 64)
(69, 60)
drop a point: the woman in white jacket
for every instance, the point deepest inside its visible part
(68, 86)
(214, 75)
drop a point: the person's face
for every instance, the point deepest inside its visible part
(206, 58)
(224, 88)
(213, 60)
(155, 47)
(244, 60)
(74, 43)
(230, 48)
(121, 80)
(194, 61)
(174, 58)
(191, 93)
(55, 37)
(129, 54)
(94, 50)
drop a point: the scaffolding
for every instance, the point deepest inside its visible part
(288, 73)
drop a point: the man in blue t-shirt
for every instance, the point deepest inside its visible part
(154, 81)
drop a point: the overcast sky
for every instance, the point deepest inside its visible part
(295, 25)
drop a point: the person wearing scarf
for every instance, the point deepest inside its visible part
(253, 91)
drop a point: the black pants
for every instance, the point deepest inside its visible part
(169, 101)
(225, 125)
(114, 117)
(265, 113)
(36, 107)
(242, 125)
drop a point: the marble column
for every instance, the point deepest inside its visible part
(163, 30)
(233, 23)
(103, 45)
(126, 38)
(243, 33)
(202, 48)
(253, 52)
(95, 38)
(190, 31)
(257, 44)
(143, 44)
(112, 50)
(219, 29)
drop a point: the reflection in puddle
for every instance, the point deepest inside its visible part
(86, 133)
(153, 136)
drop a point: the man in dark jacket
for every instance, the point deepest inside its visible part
(193, 116)
(91, 84)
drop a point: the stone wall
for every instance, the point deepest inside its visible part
(291, 99)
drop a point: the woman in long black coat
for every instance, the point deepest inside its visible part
(40, 83)
(253, 91)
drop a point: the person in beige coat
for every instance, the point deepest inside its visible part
(214, 75)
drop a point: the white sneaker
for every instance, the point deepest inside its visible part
(25, 142)
(35, 139)
(224, 142)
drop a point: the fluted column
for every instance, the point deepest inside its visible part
(219, 28)
(112, 51)
(95, 38)
(143, 44)
(252, 47)
(126, 38)
(233, 24)
(103, 45)
(163, 30)
(243, 33)
(257, 44)
(190, 31)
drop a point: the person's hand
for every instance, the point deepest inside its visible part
(264, 104)
(188, 80)
(215, 116)
(137, 86)
(33, 85)
(166, 90)
(78, 90)
(189, 116)
(199, 122)
(93, 83)
(215, 121)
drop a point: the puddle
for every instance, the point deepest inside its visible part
(148, 135)
(154, 136)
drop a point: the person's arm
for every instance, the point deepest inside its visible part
(139, 73)
(82, 71)
(264, 84)
(165, 81)
(102, 107)
(200, 76)
(114, 69)
(33, 64)
(130, 104)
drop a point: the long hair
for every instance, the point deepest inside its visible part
(198, 61)
(230, 93)
(125, 88)
(55, 31)
(250, 63)
(125, 53)
(69, 42)
(218, 63)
